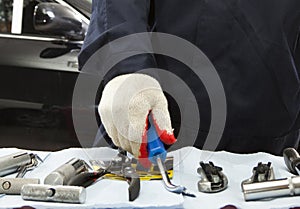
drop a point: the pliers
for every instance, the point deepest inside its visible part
(120, 166)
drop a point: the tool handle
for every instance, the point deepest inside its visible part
(85, 179)
(11, 163)
(271, 189)
(50, 193)
(292, 160)
(134, 187)
(155, 146)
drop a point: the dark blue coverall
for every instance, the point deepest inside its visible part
(253, 44)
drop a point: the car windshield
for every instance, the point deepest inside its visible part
(84, 6)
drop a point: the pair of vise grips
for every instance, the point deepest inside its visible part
(20, 162)
(212, 178)
(121, 166)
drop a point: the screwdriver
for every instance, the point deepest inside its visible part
(157, 155)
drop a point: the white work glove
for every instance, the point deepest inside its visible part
(124, 108)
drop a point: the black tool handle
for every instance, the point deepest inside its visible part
(292, 160)
(134, 187)
(85, 179)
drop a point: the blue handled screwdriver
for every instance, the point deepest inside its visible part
(157, 155)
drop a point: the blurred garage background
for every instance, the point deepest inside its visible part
(38, 70)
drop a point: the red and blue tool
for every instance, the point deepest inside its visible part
(157, 155)
(155, 147)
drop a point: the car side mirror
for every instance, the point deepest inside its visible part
(56, 19)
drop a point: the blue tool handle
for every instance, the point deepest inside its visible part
(155, 146)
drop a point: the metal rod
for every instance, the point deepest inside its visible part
(271, 189)
(167, 182)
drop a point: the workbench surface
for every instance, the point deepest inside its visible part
(113, 194)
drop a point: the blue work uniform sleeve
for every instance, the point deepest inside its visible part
(110, 20)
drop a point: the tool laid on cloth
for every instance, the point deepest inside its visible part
(263, 185)
(292, 160)
(63, 174)
(50, 193)
(212, 178)
(86, 179)
(262, 172)
(272, 188)
(14, 185)
(145, 174)
(119, 165)
(157, 155)
(153, 172)
(20, 162)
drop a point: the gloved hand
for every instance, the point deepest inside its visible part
(124, 108)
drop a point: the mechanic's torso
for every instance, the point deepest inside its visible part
(251, 45)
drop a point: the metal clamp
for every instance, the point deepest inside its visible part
(212, 178)
(260, 173)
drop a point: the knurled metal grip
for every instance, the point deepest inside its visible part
(272, 188)
(63, 174)
(50, 193)
(14, 185)
(11, 163)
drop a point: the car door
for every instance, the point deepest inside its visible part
(38, 71)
